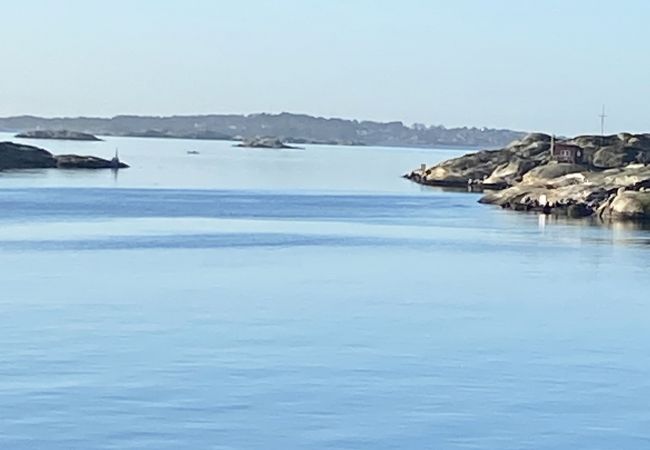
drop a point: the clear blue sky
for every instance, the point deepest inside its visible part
(543, 65)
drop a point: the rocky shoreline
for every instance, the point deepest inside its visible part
(610, 180)
(19, 156)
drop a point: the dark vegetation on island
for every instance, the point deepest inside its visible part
(64, 135)
(19, 156)
(290, 128)
(601, 176)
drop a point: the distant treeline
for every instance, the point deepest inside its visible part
(297, 128)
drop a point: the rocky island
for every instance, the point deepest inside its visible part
(65, 135)
(18, 156)
(603, 176)
(266, 142)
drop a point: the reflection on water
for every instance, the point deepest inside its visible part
(628, 232)
(618, 232)
(116, 173)
(624, 226)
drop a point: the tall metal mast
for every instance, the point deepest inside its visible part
(602, 122)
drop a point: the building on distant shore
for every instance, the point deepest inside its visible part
(566, 153)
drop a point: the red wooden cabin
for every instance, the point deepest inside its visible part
(566, 153)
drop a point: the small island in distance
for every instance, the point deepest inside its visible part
(65, 135)
(266, 142)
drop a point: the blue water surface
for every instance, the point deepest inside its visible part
(250, 299)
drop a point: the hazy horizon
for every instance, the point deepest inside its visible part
(533, 67)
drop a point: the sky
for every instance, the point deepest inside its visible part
(536, 65)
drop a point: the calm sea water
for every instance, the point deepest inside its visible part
(261, 299)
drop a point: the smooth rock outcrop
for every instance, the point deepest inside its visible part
(65, 135)
(612, 179)
(628, 205)
(551, 171)
(509, 173)
(616, 193)
(19, 156)
(497, 168)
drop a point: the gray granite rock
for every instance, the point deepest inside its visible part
(19, 156)
(612, 179)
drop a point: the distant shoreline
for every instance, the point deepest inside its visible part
(292, 128)
(342, 144)
(291, 141)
